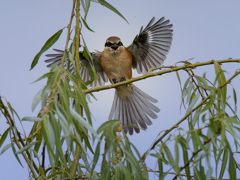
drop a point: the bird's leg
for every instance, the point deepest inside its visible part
(122, 79)
(114, 80)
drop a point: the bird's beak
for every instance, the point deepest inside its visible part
(114, 47)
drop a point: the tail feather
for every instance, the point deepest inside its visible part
(147, 107)
(140, 92)
(142, 119)
(135, 109)
(113, 109)
(137, 116)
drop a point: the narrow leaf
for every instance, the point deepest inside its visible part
(33, 119)
(37, 99)
(45, 47)
(47, 75)
(96, 156)
(83, 122)
(14, 152)
(221, 80)
(86, 25)
(6, 148)
(109, 6)
(26, 147)
(4, 136)
(232, 168)
(224, 163)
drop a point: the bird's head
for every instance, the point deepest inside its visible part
(113, 45)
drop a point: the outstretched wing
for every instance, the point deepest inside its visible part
(84, 64)
(150, 47)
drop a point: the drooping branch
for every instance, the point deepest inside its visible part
(26, 156)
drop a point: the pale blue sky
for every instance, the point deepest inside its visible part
(203, 29)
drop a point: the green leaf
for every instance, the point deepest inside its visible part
(46, 133)
(125, 170)
(185, 158)
(235, 99)
(83, 122)
(45, 47)
(4, 136)
(47, 75)
(26, 147)
(176, 153)
(209, 103)
(224, 163)
(232, 168)
(170, 157)
(134, 164)
(221, 80)
(105, 170)
(33, 119)
(6, 148)
(80, 97)
(197, 174)
(86, 25)
(109, 6)
(193, 102)
(229, 127)
(160, 166)
(201, 79)
(37, 99)
(14, 152)
(85, 4)
(96, 156)
(39, 139)
(57, 136)
(179, 79)
(108, 125)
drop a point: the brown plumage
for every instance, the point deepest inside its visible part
(148, 50)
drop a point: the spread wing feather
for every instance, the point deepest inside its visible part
(150, 47)
(84, 66)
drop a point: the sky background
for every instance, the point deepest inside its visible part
(204, 30)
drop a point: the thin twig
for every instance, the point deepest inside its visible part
(43, 158)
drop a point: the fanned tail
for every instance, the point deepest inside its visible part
(133, 109)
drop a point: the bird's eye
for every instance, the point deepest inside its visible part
(108, 44)
(120, 43)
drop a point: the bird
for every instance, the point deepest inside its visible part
(115, 63)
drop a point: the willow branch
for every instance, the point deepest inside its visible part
(27, 157)
(77, 32)
(68, 33)
(175, 68)
(188, 114)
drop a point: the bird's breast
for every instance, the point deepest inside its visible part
(117, 65)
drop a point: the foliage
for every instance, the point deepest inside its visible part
(61, 129)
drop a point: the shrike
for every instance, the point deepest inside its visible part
(115, 62)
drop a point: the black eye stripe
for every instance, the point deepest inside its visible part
(120, 43)
(108, 44)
